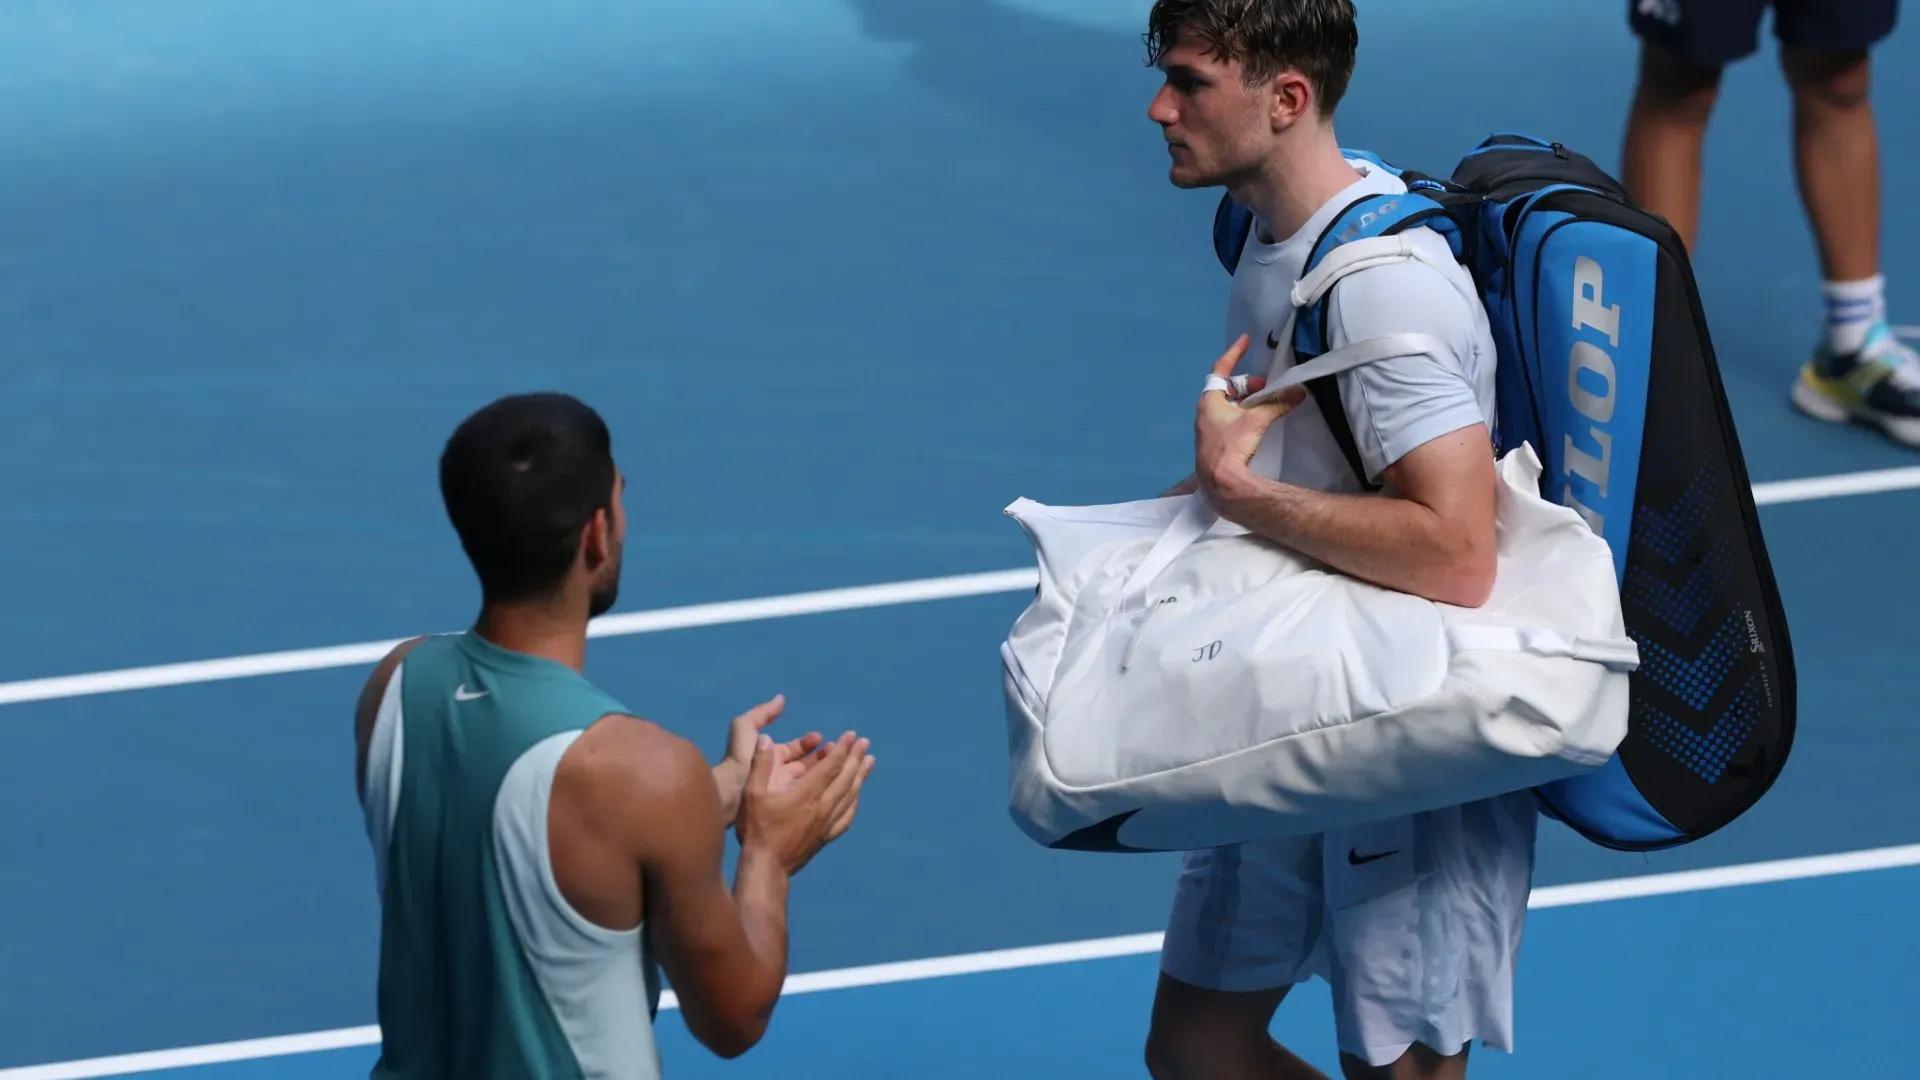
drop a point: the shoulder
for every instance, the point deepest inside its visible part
(623, 772)
(366, 709)
(376, 685)
(1411, 296)
(621, 747)
(1399, 404)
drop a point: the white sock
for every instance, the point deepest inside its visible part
(1854, 308)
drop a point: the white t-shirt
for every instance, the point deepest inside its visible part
(1394, 405)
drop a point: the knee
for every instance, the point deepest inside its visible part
(1171, 1055)
(1197, 1034)
(1840, 82)
(1671, 86)
(1177, 1051)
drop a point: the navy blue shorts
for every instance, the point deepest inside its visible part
(1712, 33)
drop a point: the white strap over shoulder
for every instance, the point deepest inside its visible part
(1347, 258)
(1348, 357)
(1358, 255)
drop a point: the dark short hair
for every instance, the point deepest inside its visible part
(521, 479)
(1318, 38)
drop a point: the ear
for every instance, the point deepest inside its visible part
(1291, 99)
(596, 540)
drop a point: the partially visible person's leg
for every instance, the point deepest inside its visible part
(1663, 160)
(1836, 157)
(1684, 46)
(1424, 919)
(1859, 371)
(1245, 927)
(1201, 1034)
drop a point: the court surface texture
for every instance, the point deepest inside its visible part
(846, 277)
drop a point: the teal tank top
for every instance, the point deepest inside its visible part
(485, 970)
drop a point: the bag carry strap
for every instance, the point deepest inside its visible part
(1618, 654)
(1197, 517)
(1348, 357)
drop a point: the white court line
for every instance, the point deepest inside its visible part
(739, 611)
(638, 622)
(1068, 952)
(193, 1056)
(1775, 492)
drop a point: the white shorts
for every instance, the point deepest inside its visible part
(1415, 923)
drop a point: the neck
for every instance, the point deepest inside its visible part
(1298, 181)
(550, 629)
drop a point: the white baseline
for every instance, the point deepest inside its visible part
(739, 611)
(1068, 952)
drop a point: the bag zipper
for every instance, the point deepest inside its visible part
(1141, 631)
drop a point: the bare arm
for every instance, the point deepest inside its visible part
(1434, 537)
(652, 796)
(724, 953)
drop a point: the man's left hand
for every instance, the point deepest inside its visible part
(730, 776)
(1226, 434)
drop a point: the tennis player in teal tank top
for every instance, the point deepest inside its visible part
(540, 852)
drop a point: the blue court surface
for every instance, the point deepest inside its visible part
(846, 277)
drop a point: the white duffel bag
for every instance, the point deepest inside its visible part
(1178, 683)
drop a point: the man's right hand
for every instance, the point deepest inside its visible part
(1255, 384)
(795, 805)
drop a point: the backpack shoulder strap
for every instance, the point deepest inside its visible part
(1232, 224)
(1366, 217)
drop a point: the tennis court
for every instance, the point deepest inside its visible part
(845, 277)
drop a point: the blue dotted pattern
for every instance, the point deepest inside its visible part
(1670, 532)
(1695, 681)
(1682, 607)
(1705, 755)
